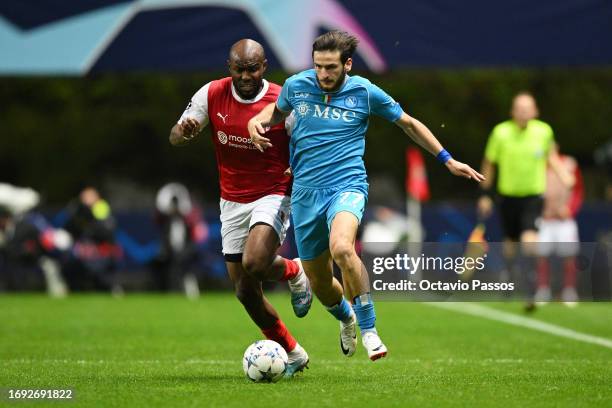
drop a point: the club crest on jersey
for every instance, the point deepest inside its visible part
(350, 101)
(302, 108)
(222, 137)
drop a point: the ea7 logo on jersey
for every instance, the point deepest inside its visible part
(333, 113)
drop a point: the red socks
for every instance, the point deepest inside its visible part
(569, 272)
(291, 270)
(569, 269)
(543, 280)
(279, 333)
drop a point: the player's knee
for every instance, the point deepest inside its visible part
(256, 265)
(342, 252)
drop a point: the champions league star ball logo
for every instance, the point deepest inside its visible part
(98, 26)
(302, 108)
(222, 137)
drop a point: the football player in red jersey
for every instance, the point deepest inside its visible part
(255, 191)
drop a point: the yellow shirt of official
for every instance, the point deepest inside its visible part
(521, 156)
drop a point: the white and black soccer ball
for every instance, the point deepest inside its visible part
(264, 361)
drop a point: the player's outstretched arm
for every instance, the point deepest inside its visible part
(260, 123)
(424, 138)
(183, 132)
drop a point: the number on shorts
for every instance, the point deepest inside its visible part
(353, 198)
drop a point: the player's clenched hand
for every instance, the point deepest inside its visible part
(189, 128)
(256, 131)
(463, 170)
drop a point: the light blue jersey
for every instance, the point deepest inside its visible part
(326, 152)
(328, 137)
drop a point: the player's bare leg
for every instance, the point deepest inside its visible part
(543, 294)
(342, 246)
(320, 274)
(569, 296)
(249, 292)
(329, 292)
(510, 254)
(528, 246)
(259, 258)
(262, 263)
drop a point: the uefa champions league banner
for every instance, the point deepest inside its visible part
(77, 37)
(485, 271)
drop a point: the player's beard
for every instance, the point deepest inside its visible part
(249, 92)
(337, 84)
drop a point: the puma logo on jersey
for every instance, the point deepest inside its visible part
(222, 117)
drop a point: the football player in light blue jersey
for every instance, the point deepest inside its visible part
(331, 113)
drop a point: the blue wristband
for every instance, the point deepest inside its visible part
(443, 156)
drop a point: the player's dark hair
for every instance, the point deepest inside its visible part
(336, 41)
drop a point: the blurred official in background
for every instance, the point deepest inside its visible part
(520, 149)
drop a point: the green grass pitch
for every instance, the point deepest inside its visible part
(153, 350)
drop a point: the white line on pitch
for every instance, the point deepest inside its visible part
(510, 318)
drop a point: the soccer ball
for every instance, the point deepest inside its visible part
(264, 361)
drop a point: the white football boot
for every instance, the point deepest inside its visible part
(348, 336)
(297, 360)
(375, 347)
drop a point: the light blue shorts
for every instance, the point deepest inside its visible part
(313, 211)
